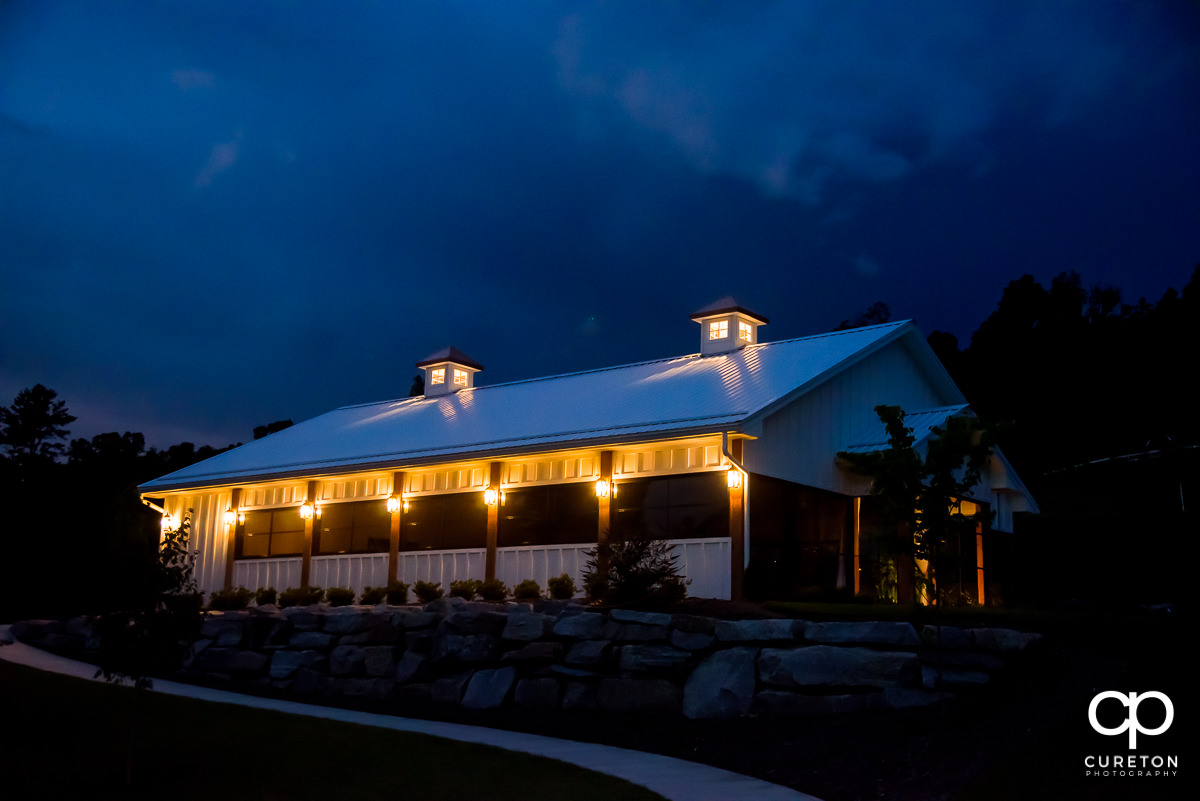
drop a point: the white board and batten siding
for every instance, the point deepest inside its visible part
(209, 534)
(798, 439)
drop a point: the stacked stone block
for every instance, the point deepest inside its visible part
(559, 656)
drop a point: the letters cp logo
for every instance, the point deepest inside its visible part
(1131, 723)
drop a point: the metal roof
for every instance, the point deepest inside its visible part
(922, 423)
(677, 396)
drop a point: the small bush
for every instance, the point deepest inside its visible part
(562, 588)
(527, 590)
(339, 596)
(426, 592)
(224, 600)
(467, 588)
(397, 593)
(374, 595)
(265, 595)
(300, 596)
(493, 590)
(636, 570)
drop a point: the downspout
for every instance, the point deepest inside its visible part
(745, 498)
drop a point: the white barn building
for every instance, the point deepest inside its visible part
(730, 453)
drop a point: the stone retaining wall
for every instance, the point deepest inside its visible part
(562, 656)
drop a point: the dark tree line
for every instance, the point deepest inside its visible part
(76, 534)
(1097, 398)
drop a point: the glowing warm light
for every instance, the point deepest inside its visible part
(744, 331)
(168, 523)
(230, 517)
(603, 489)
(306, 510)
(460, 378)
(718, 330)
(393, 504)
(733, 477)
(438, 375)
(491, 496)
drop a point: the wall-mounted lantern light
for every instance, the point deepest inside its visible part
(309, 510)
(397, 503)
(603, 488)
(733, 477)
(168, 522)
(230, 517)
(492, 496)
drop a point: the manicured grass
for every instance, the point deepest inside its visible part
(69, 738)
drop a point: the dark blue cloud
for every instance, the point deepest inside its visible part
(214, 215)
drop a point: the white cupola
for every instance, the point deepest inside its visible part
(448, 370)
(726, 325)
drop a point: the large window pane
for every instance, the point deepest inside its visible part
(441, 522)
(549, 515)
(354, 527)
(673, 507)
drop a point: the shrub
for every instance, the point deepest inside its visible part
(426, 592)
(339, 596)
(265, 595)
(224, 600)
(562, 588)
(374, 595)
(397, 593)
(527, 590)
(467, 588)
(300, 596)
(632, 571)
(493, 590)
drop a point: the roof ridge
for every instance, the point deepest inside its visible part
(590, 371)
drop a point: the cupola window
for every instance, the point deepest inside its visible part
(448, 371)
(726, 326)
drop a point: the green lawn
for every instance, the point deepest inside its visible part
(68, 738)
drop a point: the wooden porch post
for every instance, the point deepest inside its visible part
(737, 528)
(394, 532)
(306, 557)
(604, 517)
(493, 524)
(235, 500)
(856, 535)
(979, 566)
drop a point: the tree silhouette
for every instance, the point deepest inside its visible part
(271, 428)
(33, 429)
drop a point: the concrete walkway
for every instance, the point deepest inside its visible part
(675, 779)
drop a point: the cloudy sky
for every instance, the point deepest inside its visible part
(218, 214)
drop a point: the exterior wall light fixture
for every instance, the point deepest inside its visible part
(733, 477)
(492, 496)
(605, 488)
(309, 510)
(397, 503)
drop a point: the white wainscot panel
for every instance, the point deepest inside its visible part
(254, 574)
(542, 562)
(706, 563)
(442, 567)
(356, 571)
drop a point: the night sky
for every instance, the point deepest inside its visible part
(214, 215)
